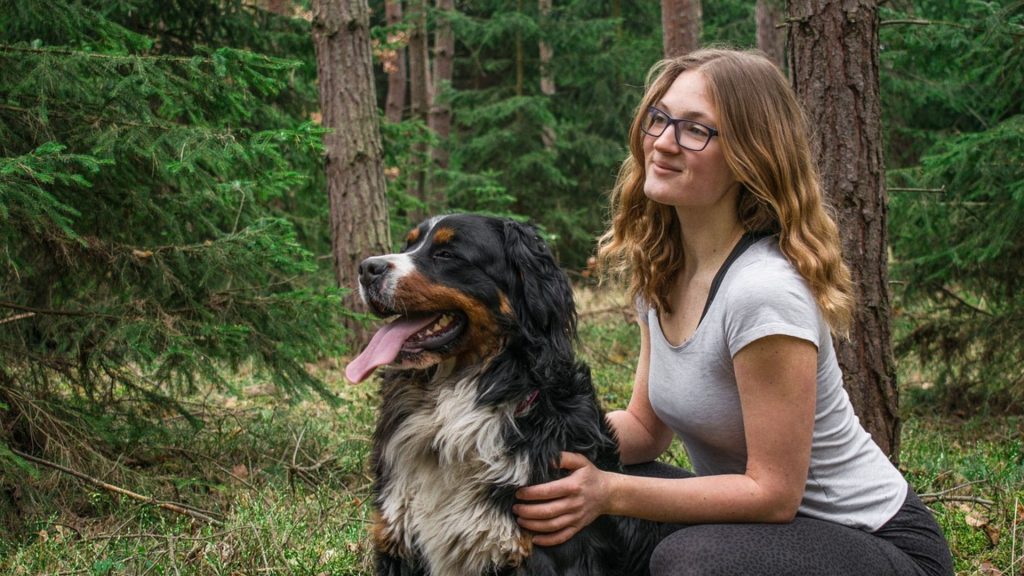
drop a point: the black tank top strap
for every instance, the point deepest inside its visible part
(746, 241)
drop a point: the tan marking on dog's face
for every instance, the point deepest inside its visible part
(414, 292)
(444, 235)
(412, 236)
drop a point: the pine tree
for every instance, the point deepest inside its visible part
(954, 99)
(833, 60)
(160, 194)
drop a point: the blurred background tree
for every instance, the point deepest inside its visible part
(953, 106)
(161, 208)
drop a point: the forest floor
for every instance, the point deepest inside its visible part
(257, 483)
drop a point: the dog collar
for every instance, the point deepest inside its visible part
(524, 406)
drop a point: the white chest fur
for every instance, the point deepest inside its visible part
(442, 462)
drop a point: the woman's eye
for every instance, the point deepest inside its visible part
(697, 130)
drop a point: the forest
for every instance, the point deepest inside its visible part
(176, 304)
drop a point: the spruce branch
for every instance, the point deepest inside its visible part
(51, 312)
(921, 22)
(949, 292)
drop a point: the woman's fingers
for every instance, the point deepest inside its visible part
(556, 538)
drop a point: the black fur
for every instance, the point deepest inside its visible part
(492, 261)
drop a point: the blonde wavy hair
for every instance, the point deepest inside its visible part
(763, 134)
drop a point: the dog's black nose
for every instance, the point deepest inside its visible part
(371, 269)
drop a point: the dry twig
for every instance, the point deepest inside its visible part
(177, 508)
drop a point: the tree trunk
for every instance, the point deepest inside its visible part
(419, 92)
(520, 57)
(354, 155)
(680, 25)
(547, 79)
(280, 7)
(833, 59)
(770, 39)
(444, 59)
(395, 65)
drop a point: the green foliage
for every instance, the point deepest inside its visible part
(971, 473)
(954, 96)
(729, 23)
(551, 158)
(287, 480)
(160, 201)
(290, 480)
(516, 151)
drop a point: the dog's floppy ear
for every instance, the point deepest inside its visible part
(541, 295)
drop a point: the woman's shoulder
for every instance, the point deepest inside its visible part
(764, 265)
(766, 295)
(764, 277)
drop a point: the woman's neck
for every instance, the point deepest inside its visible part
(707, 240)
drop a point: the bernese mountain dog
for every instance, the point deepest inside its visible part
(481, 394)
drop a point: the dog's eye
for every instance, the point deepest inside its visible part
(444, 255)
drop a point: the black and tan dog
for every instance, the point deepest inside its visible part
(481, 395)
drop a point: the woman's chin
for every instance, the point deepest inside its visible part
(660, 192)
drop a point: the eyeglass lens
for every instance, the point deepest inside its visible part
(689, 134)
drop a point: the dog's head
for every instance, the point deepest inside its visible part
(464, 287)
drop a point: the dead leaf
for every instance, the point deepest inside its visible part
(989, 569)
(976, 519)
(992, 531)
(240, 471)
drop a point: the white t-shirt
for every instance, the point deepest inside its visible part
(692, 388)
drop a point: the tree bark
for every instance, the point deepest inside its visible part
(770, 39)
(354, 155)
(419, 92)
(395, 66)
(280, 7)
(833, 59)
(520, 57)
(680, 24)
(547, 79)
(444, 59)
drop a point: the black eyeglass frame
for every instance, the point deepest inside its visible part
(674, 123)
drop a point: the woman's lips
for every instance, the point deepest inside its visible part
(664, 168)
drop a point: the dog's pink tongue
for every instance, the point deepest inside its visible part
(384, 346)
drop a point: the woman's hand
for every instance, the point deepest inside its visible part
(557, 510)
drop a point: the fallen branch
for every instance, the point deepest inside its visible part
(175, 507)
(929, 498)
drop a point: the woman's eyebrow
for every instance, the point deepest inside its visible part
(687, 114)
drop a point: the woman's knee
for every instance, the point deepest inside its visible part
(691, 551)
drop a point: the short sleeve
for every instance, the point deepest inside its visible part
(770, 301)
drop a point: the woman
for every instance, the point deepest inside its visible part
(719, 224)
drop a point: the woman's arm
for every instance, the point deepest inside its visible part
(641, 435)
(776, 377)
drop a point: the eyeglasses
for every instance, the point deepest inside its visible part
(689, 134)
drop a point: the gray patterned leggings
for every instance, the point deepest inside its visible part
(910, 544)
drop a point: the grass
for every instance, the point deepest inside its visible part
(288, 482)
